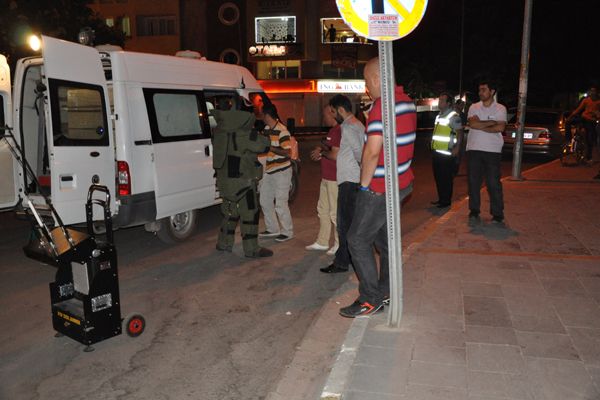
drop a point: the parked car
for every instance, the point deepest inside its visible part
(543, 134)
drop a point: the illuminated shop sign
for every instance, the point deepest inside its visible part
(268, 50)
(348, 86)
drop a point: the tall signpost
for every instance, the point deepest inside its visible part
(386, 21)
(523, 78)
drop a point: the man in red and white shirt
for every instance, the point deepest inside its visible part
(369, 224)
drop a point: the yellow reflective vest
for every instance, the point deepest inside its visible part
(444, 138)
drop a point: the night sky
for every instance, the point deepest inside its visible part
(564, 47)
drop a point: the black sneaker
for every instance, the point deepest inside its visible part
(267, 234)
(498, 220)
(386, 301)
(282, 238)
(357, 309)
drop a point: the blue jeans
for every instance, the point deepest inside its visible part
(486, 164)
(369, 228)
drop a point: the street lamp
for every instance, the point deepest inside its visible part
(34, 42)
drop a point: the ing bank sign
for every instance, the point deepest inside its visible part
(339, 86)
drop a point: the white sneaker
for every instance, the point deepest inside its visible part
(332, 250)
(316, 246)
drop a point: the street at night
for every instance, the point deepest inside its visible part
(453, 146)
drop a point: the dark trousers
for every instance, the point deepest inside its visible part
(345, 211)
(369, 228)
(590, 136)
(444, 167)
(486, 164)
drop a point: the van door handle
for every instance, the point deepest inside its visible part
(94, 154)
(207, 151)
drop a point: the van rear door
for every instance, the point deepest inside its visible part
(80, 138)
(8, 165)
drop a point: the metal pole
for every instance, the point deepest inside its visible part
(462, 43)
(386, 65)
(523, 78)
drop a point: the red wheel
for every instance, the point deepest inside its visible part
(135, 325)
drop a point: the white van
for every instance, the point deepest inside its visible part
(136, 123)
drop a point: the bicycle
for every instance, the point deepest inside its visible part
(574, 150)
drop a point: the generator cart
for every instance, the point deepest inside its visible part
(84, 296)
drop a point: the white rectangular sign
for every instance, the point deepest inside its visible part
(331, 86)
(383, 25)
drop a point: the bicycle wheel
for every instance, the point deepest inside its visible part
(565, 154)
(580, 151)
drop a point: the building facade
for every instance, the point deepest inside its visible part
(150, 26)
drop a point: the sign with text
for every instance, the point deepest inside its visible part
(338, 86)
(397, 19)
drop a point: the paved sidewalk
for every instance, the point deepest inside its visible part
(492, 312)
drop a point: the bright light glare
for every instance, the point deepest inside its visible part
(35, 43)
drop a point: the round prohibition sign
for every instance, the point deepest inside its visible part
(356, 14)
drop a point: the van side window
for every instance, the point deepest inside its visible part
(78, 114)
(176, 115)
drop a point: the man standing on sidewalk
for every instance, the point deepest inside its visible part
(328, 191)
(369, 225)
(445, 146)
(348, 176)
(277, 179)
(487, 120)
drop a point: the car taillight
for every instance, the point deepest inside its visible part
(544, 135)
(123, 178)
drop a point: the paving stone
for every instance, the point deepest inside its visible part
(441, 337)
(532, 323)
(526, 301)
(388, 338)
(481, 289)
(394, 358)
(439, 321)
(359, 395)
(439, 354)
(592, 286)
(563, 288)
(487, 311)
(495, 358)
(547, 345)
(587, 343)
(377, 380)
(490, 335)
(485, 383)
(520, 387)
(443, 304)
(562, 379)
(595, 374)
(422, 392)
(577, 312)
(426, 373)
(551, 270)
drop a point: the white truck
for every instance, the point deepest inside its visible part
(136, 123)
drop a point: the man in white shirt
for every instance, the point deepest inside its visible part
(487, 120)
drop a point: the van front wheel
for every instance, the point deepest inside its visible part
(178, 227)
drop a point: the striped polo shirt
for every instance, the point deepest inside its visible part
(406, 127)
(280, 137)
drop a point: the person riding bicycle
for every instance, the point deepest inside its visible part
(589, 108)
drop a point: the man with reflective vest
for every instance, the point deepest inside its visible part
(445, 145)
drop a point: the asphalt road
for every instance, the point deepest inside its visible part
(218, 326)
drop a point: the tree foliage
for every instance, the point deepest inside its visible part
(57, 18)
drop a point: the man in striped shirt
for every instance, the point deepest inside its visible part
(277, 179)
(369, 224)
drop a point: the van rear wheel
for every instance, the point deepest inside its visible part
(178, 227)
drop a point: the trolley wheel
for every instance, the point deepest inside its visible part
(135, 325)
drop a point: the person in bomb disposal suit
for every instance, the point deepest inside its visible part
(236, 147)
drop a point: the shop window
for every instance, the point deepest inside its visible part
(335, 30)
(288, 69)
(161, 25)
(275, 29)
